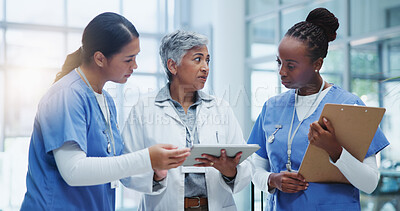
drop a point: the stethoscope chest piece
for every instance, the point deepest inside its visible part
(271, 138)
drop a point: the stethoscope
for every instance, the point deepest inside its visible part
(107, 121)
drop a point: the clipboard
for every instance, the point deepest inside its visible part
(215, 149)
(355, 127)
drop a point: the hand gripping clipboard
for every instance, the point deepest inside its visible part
(355, 127)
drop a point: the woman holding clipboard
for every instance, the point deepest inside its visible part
(288, 123)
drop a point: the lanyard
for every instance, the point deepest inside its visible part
(107, 121)
(290, 136)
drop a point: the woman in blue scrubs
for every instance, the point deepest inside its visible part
(288, 123)
(75, 158)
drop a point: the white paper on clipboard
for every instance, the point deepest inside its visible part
(215, 150)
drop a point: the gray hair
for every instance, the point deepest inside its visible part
(176, 44)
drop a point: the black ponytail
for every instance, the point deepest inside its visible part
(72, 61)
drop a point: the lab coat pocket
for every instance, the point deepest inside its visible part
(212, 135)
(230, 208)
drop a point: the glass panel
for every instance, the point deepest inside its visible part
(80, 13)
(25, 87)
(259, 6)
(16, 165)
(367, 90)
(145, 17)
(365, 61)
(136, 86)
(37, 12)
(1, 9)
(296, 14)
(148, 57)
(1, 46)
(35, 48)
(391, 120)
(264, 84)
(171, 15)
(394, 59)
(261, 36)
(371, 15)
(332, 69)
(74, 41)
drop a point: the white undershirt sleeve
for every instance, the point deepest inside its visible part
(363, 175)
(79, 170)
(261, 175)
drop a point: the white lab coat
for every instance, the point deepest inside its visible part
(152, 122)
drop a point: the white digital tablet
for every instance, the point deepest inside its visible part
(215, 150)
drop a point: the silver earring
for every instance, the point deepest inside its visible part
(316, 71)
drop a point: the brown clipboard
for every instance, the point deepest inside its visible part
(355, 127)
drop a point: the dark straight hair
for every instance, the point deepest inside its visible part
(108, 33)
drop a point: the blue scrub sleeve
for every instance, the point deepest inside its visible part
(62, 118)
(257, 135)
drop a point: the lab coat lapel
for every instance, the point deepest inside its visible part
(203, 113)
(169, 111)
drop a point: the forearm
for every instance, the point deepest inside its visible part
(261, 175)
(363, 175)
(78, 170)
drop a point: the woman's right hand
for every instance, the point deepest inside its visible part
(288, 182)
(167, 156)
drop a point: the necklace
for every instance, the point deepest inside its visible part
(290, 136)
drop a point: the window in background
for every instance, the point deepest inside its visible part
(299, 13)
(2, 49)
(365, 61)
(264, 84)
(333, 67)
(34, 49)
(148, 57)
(25, 87)
(21, 11)
(79, 12)
(391, 101)
(74, 41)
(393, 16)
(261, 36)
(394, 58)
(368, 16)
(259, 6)
(146, 18)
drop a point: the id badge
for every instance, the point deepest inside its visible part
(114, 184)
(192, 169)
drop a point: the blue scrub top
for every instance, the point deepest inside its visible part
(68, 112)
(318, 196)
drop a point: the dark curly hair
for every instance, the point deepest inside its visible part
(316, 31)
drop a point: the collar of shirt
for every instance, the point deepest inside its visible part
(164, 95)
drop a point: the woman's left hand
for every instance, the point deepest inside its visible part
(325, 138)
(224, 164)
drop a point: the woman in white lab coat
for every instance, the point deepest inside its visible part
(182, 115)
